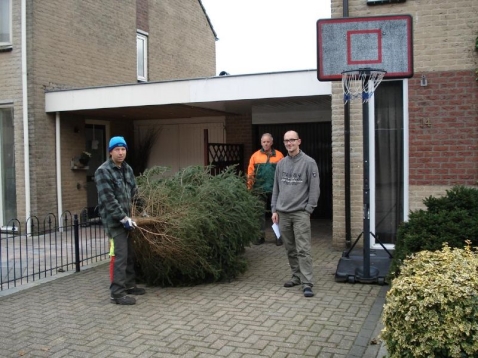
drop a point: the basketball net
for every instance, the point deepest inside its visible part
(361, 83)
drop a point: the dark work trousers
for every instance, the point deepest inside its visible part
(123, 271)
(296, 233)
(266, 199)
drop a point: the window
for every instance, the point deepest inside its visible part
(8, 198)
(389, 160)
(142, 55)
(5, 23)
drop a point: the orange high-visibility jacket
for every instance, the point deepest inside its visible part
(261, 170)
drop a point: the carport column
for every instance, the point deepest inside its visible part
(58, 168)
(26, 138)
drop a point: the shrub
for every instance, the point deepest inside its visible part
(432, 307)
(452, 218)
(198, 226)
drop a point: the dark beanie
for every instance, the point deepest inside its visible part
(117, 142)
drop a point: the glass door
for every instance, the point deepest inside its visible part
(389, 148)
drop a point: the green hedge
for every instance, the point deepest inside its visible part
(450, 219)
(432, 306)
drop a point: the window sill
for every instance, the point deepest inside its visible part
(383, 2)
(6, 48)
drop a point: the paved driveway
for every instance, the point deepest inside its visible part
(252, 316)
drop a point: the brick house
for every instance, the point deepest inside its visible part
(435, 141)
(61, 44)
(441, 148)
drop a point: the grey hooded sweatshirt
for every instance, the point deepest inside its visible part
(296, 184)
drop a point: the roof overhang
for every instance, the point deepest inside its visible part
(197, 97)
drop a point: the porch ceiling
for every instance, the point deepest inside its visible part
(149, 112)
(210, 109)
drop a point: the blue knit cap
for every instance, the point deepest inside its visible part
(117, 142)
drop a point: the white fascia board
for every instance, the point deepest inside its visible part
(213, 89)
(143, 94)
(271, 85)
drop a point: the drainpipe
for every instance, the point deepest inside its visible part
(58, 167)
(26, 140)
(348, 212)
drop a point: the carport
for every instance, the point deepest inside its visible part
(272, 102)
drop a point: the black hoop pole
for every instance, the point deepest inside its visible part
(366, 191)
(370, 78)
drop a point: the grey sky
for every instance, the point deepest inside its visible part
(266, 35)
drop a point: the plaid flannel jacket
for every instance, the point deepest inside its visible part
(116, 191)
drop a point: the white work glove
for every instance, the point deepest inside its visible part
(128, 223)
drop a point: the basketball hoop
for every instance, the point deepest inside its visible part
(361, 83)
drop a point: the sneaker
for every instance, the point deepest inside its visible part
(123, 300)
(137, 291)
(279, 242)
(260, 241)
(308, 292)
(291, 283)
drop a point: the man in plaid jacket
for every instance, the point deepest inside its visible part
(117, 189)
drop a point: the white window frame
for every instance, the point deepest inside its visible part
(6, 17)
(406, 170)
(142, 39)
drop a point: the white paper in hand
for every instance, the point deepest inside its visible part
(275, 227)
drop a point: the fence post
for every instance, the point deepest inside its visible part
(76, 230)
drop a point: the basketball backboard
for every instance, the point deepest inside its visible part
(351, 43)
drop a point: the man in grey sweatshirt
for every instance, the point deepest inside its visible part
(294, 198)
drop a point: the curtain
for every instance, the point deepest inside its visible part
(388, 160)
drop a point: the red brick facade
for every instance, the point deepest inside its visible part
(444, 129)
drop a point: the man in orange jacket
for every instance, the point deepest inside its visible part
(260, 177)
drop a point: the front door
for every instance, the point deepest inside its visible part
(96, 145)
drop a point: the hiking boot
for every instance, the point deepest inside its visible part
(308, 292)
(123, 300)
(260, 241)
(279, 242)
(291, 283)
(137, 291)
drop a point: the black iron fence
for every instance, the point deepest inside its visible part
(41, 248)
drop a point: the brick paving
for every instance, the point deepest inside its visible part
(252, 316)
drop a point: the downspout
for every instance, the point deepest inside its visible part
(348, 211)
(26, 139)
(58, 167)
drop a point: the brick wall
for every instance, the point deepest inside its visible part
(91, 43)
(182, 44)
(239, 131)
(444, 129)
(338, 168)
(142, 15)
(72, 143)
(443, 115)
(74, 44)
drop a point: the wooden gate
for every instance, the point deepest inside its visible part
(222, 155)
